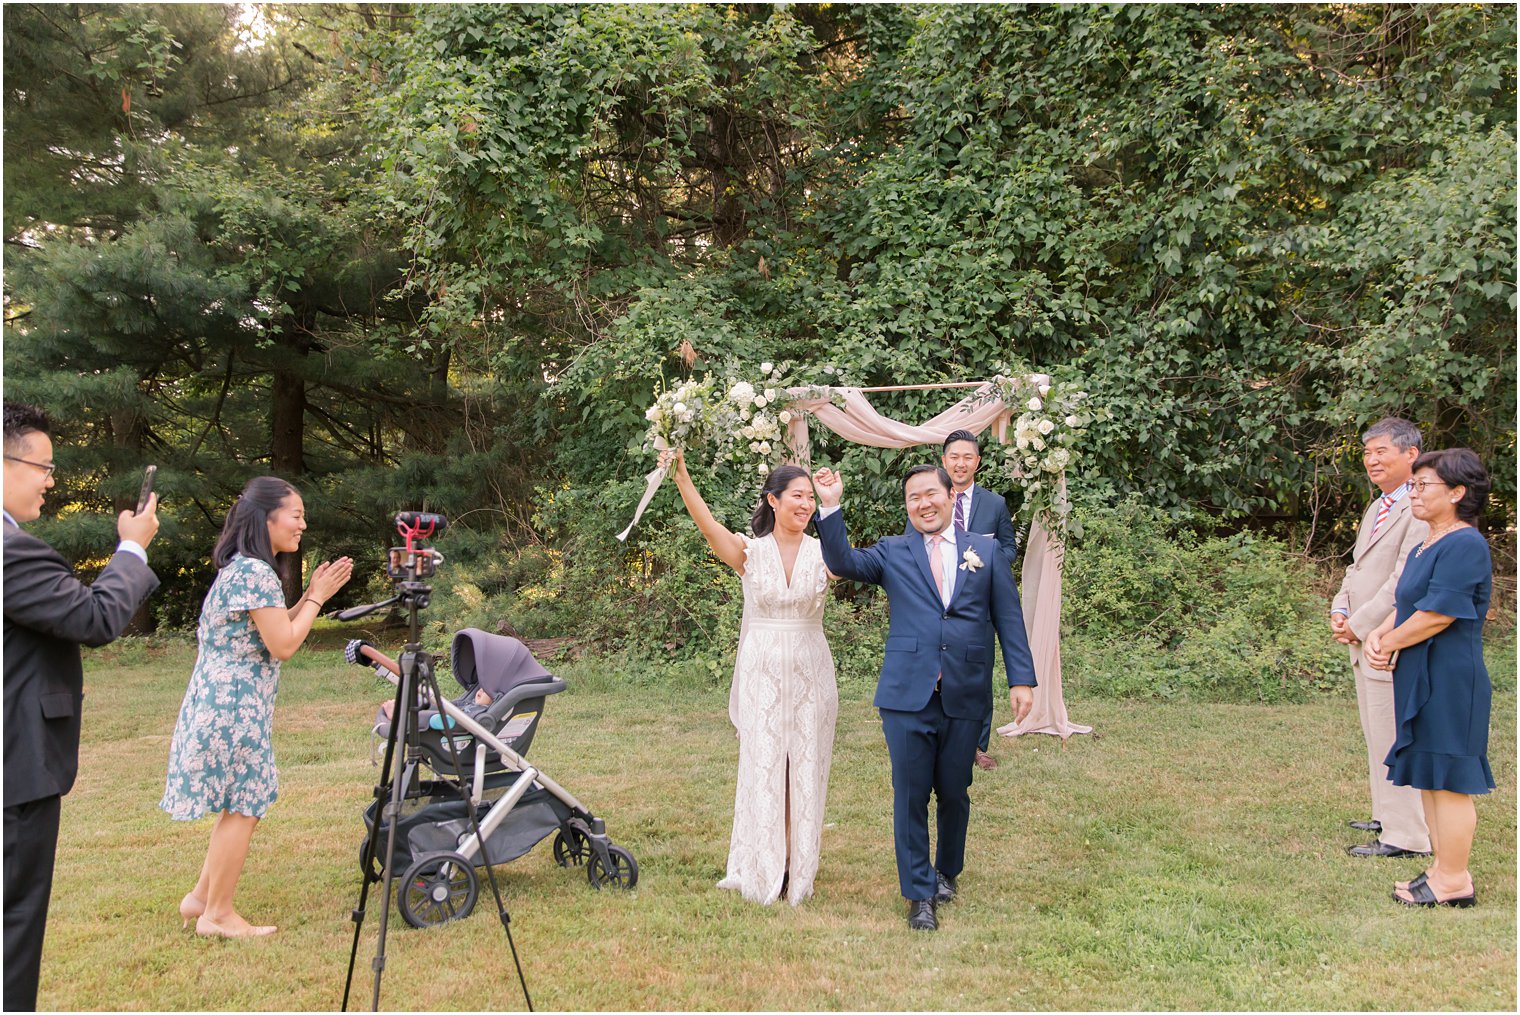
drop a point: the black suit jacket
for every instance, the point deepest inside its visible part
(48, 614)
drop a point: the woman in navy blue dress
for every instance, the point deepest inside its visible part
(1441, 694)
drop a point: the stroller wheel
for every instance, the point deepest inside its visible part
(572, 851)
(624, 872)
(437, 888)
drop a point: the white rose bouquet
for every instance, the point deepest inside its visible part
(741, 421)
(688, 415)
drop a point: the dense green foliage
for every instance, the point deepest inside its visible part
(1172, 614)
(442, 255)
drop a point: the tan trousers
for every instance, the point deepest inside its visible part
(1396, 807)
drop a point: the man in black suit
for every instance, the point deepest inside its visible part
(977, 509)
(48, 614)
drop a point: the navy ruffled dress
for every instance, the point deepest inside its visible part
(1441, 693)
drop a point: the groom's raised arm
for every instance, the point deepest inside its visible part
(834, 539)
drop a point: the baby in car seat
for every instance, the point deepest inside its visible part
(362, 653)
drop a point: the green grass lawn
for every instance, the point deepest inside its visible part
(1185, 857)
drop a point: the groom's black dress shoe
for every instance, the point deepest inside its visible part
(944, 890)
(1375, 827)
(1377, 847)
(921, 915)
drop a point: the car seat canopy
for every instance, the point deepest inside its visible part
(494, 662)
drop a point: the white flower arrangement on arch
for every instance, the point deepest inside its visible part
(1051, 418)
(740, 421)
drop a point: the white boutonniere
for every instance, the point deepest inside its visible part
(970, 561)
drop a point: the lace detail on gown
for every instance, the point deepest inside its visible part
(783, 703)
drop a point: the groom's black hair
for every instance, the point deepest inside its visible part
(944, 477)
(22, 419)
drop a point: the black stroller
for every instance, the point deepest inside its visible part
(437, 851)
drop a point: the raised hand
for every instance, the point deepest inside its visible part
(328, 578)
(830, 487)
(140, 528)
(673, 459)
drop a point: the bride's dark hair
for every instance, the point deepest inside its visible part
(764, 518)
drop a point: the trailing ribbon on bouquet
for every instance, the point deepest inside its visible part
(652, 483)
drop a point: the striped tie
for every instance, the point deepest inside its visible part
(960, 513)
(1384, 504)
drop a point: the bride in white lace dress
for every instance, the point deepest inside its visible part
(783, 701)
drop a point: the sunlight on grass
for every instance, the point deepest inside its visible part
(1186, 857)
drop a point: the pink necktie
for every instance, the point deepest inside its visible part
(960, 511)
(937, 566)
(1382, 515)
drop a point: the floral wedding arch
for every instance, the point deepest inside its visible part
(759, 425)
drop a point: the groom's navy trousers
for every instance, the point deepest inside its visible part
(932, 692)
(929, 742)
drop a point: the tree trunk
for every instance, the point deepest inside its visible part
(127, 428)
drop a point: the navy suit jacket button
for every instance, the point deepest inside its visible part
(944, 648)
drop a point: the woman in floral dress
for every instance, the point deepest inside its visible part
(221, 760)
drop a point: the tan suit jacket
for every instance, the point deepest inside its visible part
(1366, 593)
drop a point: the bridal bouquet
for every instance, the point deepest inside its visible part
(740, 422)
(688, 415)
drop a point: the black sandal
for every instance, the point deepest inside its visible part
(1408, 886)
(1421, 895)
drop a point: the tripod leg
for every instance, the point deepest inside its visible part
(431, 683)
(387, 806)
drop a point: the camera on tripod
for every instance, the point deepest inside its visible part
(412, 562)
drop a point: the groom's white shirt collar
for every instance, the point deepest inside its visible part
(947, 533)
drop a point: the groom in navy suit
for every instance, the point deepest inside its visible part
(944, 585)
(977, 509)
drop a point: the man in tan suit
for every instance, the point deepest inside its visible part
(1389, 531)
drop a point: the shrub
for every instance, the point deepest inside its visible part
(1152, 611)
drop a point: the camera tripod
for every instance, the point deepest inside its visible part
(401, 775)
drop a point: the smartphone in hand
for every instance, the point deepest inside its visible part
(147, 488)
